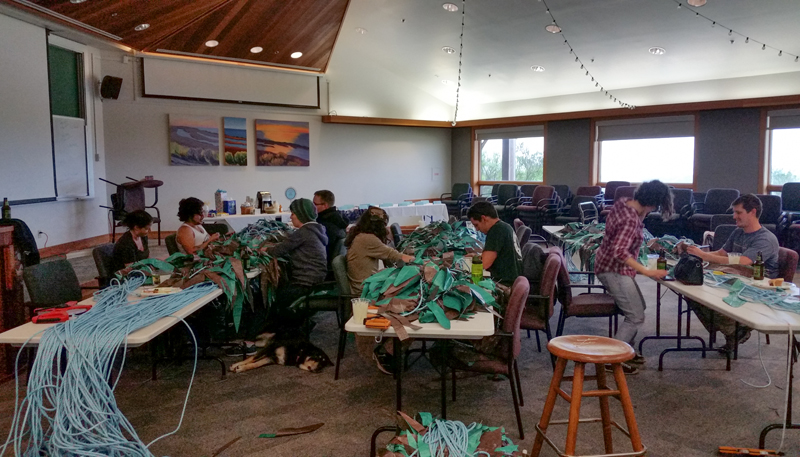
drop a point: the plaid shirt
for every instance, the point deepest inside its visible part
(623, 238)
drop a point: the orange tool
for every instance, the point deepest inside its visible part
(380, 323)
(731, 450)
(54, 315)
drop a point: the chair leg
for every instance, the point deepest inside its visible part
(538, 344)
(529, 333)
(549, 335)
(605, 415)
(159, 233)
(611, 326)
(549, 404)
(627, 408)
(515, 399)
(340, 352)
(575, 408)
(767, 335)
(453, 371)
(519, 384)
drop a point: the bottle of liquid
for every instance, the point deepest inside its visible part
(6, 209)
(661, 263)
(758, 268)
(245, 261)
(477, 269)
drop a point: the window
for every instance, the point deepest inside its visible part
(511, 154)
(638, 150)
(784, 148)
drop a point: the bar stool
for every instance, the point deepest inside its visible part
(598, 350)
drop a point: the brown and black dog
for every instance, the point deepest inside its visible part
(282, 348)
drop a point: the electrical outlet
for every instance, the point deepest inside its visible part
(40, 234)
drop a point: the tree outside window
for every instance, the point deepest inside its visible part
(784, 156)
(512, 159)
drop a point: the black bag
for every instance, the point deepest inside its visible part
(689, 270)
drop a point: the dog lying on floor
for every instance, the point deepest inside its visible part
(284, 349)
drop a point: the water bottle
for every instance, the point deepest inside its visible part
(477, 269)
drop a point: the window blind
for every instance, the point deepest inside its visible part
(651, 127)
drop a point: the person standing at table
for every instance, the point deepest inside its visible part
(501, 252)
(191, 236)
(334, 223)
(749, 239)
(132, 245)
(616, 261)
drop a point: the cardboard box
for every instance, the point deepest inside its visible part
(229, 206)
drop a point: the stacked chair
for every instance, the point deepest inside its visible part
(535, 210)
(619, 192)
(678, 223)
(459, 198)
(577, 211)
(717, 201)
(610, 193)
(787, 227)
(507, 201)
(770, 212)
(564, 193)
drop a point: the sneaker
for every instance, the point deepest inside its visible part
(244, 349)
(744, 335)
(384, 361)
(638, 360)
(629, 370)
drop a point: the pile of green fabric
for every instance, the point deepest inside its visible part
(439, 238)
(221, 263)
(435, 437)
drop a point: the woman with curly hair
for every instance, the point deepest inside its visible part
(192, 237)
(366, 244)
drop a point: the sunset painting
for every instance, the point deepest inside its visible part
(282, 143)
(193, 140)
(235, 141)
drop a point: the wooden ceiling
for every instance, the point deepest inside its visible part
(280, 27)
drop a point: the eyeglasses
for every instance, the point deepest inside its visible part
(318, 204)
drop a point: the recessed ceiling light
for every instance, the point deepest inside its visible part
(256, 49)
(696, 2)
(296, 55)
(451, 7)
(552, 28)
(449, 49)
(538, 68)
(657, 50)
(77, 1)
(212, 43)
(141, 27)
(361, 30)
(447, 82)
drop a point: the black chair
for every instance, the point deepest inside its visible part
(51, 284)
(346, 310)
(574, 214)
(721, 235)
(129, 197)
(397, 232)
(620, 192)
(564, 193)
(610, 192)
(717, 201)
(507, 200)
(103, 256)
(678, 223)
(459, 197)
(770, 212)
(216, 227)
(172, 243)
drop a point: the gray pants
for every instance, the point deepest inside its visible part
(629, 300)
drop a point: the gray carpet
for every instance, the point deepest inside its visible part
(687, 410)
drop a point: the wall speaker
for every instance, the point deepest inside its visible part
(110, 87)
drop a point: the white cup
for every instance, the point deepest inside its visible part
(652, 261)
(360, 306)
(733, 258)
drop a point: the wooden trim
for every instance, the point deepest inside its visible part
(771, 188)
(695, 173)
(544, 154)
(475, 160)
(763, 154)
(384, 121)
(335, 41)
(86, 243)
(594, 154)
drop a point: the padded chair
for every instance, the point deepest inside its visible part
(678, 223)
(397, 233)
(541, 303)
(459, 197)
(103, 259)
(610, 193)
(583, 305)
(722, 219)
(620, 192)
(216, 227)
(564, 193)
(130, 197)
(172, 243)
(536, 209)
(507, 200)
(517, 224)
(523, 235)
(51, 284)
(787, 264)
(790, 196)
(717, 201)
(526, 190)
(574, 214)
(505, 364)
(339, 265)
(770, 212)
(721, 235)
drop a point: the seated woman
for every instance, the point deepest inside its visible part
(366, 245)
(192, 237)
(132, 245)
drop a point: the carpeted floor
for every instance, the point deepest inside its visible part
(688, 410)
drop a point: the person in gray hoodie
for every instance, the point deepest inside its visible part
(306, 250)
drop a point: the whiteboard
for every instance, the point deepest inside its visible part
(69, 154)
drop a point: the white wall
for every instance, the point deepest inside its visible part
(360, 164)
(65, 221)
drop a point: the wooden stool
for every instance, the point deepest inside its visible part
(598, 350)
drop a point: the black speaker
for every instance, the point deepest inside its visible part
(110, 87)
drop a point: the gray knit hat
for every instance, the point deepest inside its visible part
(304, 210)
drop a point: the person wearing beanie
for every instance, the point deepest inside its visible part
(306, 250)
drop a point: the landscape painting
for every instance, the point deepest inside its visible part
(193, 140)
(235, 141)
(281, 143)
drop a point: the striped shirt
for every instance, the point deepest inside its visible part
(623, 238)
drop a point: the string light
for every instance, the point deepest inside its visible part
(460, 60)
(764, 46)
(572, 51)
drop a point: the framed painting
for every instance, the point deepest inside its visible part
(234, 141)
(281, 143)
(193, 140)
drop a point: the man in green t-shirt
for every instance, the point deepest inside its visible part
(501, 253)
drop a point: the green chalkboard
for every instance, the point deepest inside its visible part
(66, 76)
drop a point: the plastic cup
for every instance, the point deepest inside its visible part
(733, 258)
(360, 309)
(652, 261)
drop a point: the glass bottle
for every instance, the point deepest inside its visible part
(477, 269)
(6, 209)
(758, 268)
(661, 263)
(245, 261)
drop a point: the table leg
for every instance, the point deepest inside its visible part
(788, 424)
(444, 343)
(398, 373)
(679, 337)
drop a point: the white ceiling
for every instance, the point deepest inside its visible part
(398, 65)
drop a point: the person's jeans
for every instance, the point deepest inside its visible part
(629, 300)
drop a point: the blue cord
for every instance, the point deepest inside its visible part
(75, 413)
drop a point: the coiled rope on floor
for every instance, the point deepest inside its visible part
(70, 409)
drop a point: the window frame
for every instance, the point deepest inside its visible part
(507, 133)
(597, 124)
(768, 125)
